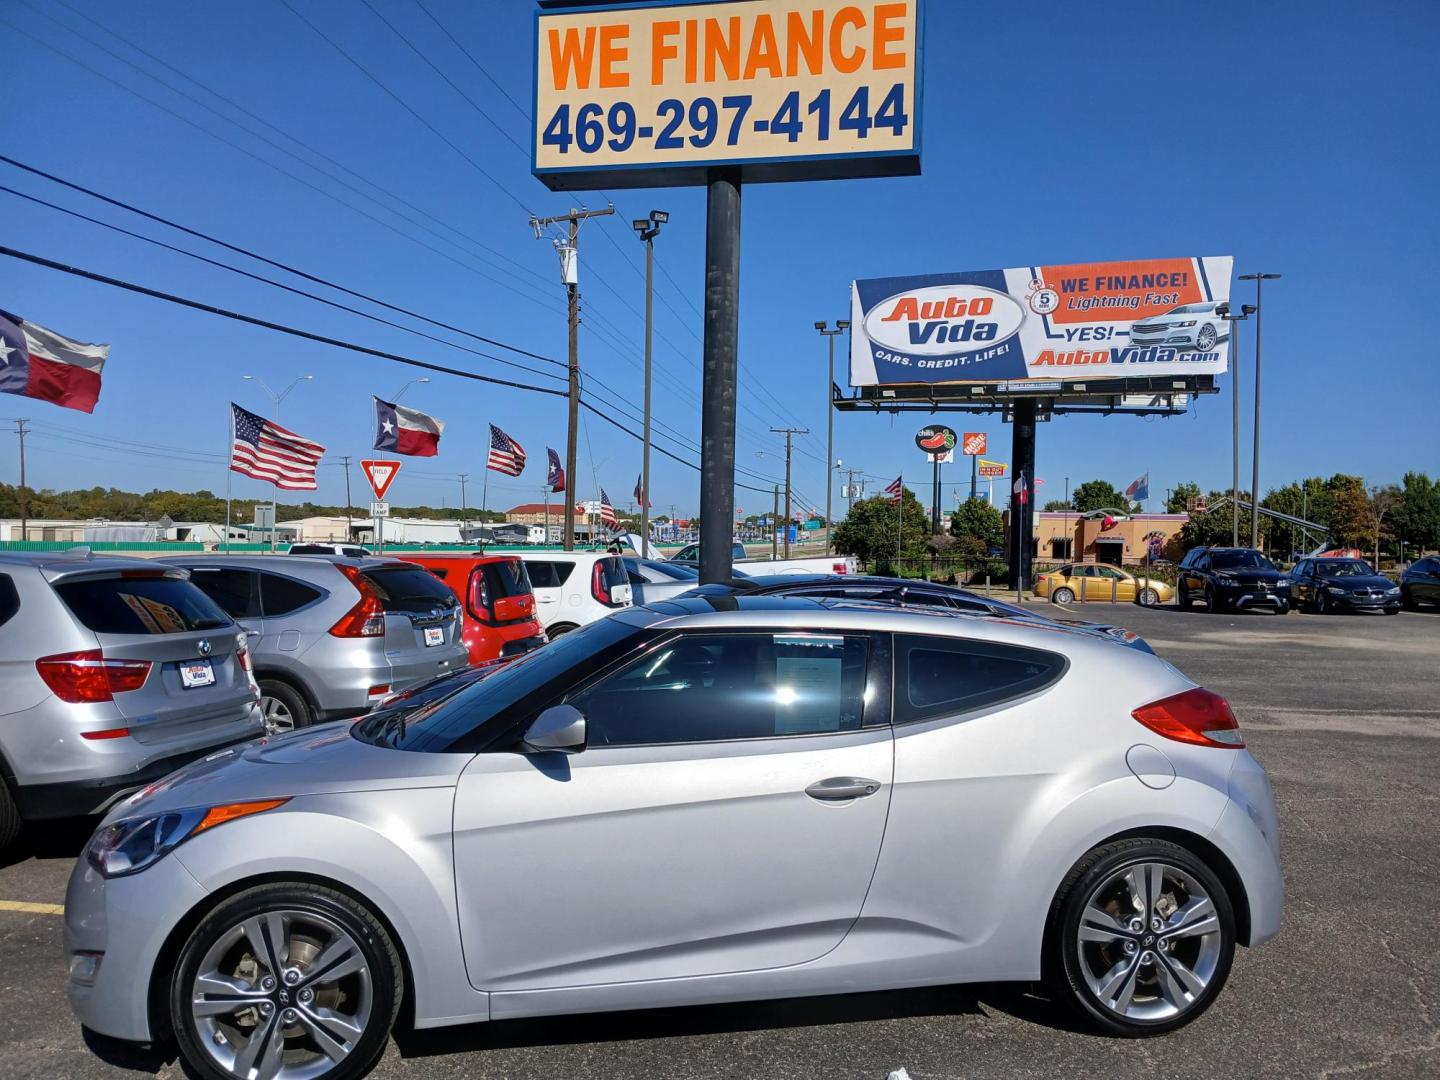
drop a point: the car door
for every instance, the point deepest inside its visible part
(1426, 585)
(1302, 586)
(1112, 584)
(547, 580)
(726, 816)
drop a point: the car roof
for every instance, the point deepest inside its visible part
(260, 562)
(76, 558)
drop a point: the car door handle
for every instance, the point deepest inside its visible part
(835, 788)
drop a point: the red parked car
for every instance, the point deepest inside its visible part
(494, 591)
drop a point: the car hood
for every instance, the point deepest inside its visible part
(314, 761)
(1368, 581)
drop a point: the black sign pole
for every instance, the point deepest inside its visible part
(1023, 451)
(974, 463)
(935, 503)
(721, 350)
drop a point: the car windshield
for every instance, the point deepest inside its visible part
(1240, 560)
(677, 573)
(1193, 309)
(1343, 568)
(517, 689)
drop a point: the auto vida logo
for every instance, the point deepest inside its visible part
(944, 319)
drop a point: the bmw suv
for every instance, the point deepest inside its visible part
(113, 673)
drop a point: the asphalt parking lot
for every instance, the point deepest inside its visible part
(1344, 712)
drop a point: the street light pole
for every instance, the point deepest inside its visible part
(399, 393)
(1246, 310)
(276, 399)
(1259, 280)
(841, 325)
(647, 229)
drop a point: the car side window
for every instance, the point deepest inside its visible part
(235, 591)
(549, 575)
(9, 599)
(282, 595)
(724, 687)
(937, 677)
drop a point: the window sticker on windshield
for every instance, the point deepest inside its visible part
(156, 617)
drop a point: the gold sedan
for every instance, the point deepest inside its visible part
(1100, 581)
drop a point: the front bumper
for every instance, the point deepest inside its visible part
(1362, 603)
(1240, 595)
(1174, 339)
(126, 920)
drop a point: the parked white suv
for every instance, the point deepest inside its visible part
(573, 588)
(1190, 326)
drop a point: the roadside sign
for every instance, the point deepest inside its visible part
(991, 468)
(380, 473)
(936, 439)
(944, 459)
(647, 94)
(379, 510)
(973, 444)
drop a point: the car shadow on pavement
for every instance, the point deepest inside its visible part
(61, 839)
(133, 1057)
(1018, 1000)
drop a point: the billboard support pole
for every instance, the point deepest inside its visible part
(717, 415)
(1023, 451)
(935, 501)
(974, 474)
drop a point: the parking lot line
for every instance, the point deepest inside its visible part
(32, 909)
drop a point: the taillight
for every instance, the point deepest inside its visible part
(839, 567)
(1197, 716)
(599, 587)
(367, 617)
(480, 597)
(88, 676)
(242, 653)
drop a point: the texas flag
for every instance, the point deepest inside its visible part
(39, 363)
(399, 430)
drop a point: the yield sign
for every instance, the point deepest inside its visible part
(380, 474)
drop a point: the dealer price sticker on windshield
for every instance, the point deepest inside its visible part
(785, 89)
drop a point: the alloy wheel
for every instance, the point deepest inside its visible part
(1063, 596)
(278, 717)
(1149, 942)
(1149, 598)
(1205, 340)
(282, 995)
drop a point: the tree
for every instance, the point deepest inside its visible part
(1182, 497)
(977, 526)
(1384, 500)
(870, 531)
(1210, 528)
(1098, 495)
(1416, 520)
(1348, 515)
(1057, 506)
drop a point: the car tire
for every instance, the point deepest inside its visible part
(560, 629)
(1320, 606)
(1392, 610)
(312, 918)
(1173, 977)
(1147, 598)
(1062, 595)
(1200, 336)
(1182, 598)
(284, 707)
(1407, 600)
(1212, 601)
(1282, 609)
(9, 816)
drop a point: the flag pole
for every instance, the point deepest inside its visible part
(899, 526)
(229, 476)
(545, 492)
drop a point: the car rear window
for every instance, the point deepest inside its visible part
(549, 575)
(118, 605)
(943, 676)
(282, 595)
(9, 599)
(504, 579)
(614, 570)
(410, 589)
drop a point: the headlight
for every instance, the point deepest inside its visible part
(131, 844)
(1394, 590)
(1334, 590)
(1187, 322)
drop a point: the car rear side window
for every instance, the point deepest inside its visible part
(410, 589)
(282, 595)
(943, 676)
(506, 578)
(237, 592)
(141, 605)
(549, 575)
(722, 687)
(9, 599)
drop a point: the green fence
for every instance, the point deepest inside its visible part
(98, 545)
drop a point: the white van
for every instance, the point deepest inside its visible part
(573, 588)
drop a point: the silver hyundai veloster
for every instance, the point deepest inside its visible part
(699, 801)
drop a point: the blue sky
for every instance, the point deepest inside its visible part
(1301, 138)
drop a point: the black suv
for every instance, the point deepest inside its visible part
(1420, 583)
(1227, 577)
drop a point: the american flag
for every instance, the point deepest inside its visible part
(506, 455)
(607, 512)
(265, 450)
(896, 489)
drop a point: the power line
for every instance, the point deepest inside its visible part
(322, 339)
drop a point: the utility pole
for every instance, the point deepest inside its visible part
(1259, 280)
(789, 434)
(775, 527)
(569, 251)
(349, 522)
(647, 229)
(841, 325)
(24, 496)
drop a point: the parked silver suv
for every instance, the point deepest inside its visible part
(113, 673)
(331, 636)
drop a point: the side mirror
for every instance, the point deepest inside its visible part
(560, 728)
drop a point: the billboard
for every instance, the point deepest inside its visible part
(646, 94)
(1044, 323)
